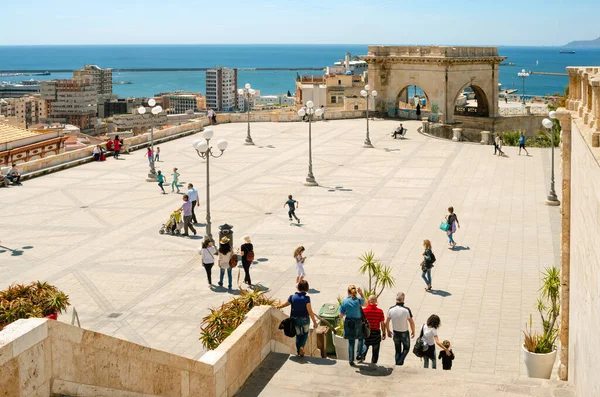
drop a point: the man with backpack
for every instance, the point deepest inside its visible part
(401, 318)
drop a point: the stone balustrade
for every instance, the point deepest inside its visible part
(584, 99)
(41, 357)
(433, 51)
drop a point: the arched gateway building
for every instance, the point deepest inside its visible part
(452, 80)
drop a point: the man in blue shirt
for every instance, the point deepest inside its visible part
(193, 195)
(522, 144)
(292, 204)
(186, 207)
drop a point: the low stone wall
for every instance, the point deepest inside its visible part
(40, 357)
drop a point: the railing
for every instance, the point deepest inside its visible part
(523, 111)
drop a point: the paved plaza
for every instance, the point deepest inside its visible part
(93, 231)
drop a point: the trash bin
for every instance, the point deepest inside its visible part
(225, 231)
(331, 313)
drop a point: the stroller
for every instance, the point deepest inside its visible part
(173, 226)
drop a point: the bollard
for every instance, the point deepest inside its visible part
(485, 138)
(456, 132)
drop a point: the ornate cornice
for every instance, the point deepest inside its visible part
(378, 60)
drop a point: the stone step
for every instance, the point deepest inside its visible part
(281, 375)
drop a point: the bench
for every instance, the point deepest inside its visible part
(401, 133)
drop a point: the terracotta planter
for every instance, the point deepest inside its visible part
(539, 365)
(53, 316)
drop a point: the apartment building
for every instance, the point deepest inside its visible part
(180, 102)
(100, 79)
(25, 111)
(71, 101)
(221, 89)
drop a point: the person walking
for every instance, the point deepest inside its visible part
(247, 251)
(376, 320)
(401, 318)
(149, 156)
(117, 147)
(522, 143)
(427, 264)
(157, 154)
(418, 111)
(301, 314)
(225, 254)
(175, 183)
(208, 252)
(186, 207)
(161, 180)
(193, 195)
(500, 143)
(446, 359)
(350, 311)
(292, 205)
(299, 263)
(454, 224)
(430, 337)
(496, 139)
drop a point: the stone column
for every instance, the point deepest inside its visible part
(456, 132)
(485, 138)
(425, 122)
(565, 241)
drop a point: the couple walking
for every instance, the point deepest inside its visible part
(227, 259)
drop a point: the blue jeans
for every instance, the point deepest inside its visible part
(401, 345)
(433, 359)
(450, 238)
(228, 276)
(302, 331)
(361, 348)
(426, 276)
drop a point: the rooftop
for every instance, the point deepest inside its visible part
(9, 133)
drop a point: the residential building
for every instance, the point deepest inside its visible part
(19, 145)
(242, 102)
(311, 88)
(356, 66)
(25, 111)
(341, 86)
(180, 102)
(109, 108)
(221, 89)
(100, 79)
(272, 101)
(17, 90)
(71, 101)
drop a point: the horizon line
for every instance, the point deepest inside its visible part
(273, 44)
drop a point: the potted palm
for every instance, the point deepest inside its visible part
(539, 349)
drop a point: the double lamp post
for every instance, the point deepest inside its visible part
(523, 74)
(247, 92)
(549, 125)
(155, 111)
(368, 95)
(310, 113)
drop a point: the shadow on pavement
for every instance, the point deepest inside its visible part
(440, 292)
(460, 248)
(374, 370)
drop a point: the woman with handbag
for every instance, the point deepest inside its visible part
(427, 264)
(453, 223)
(208, 253)
(351, 312)
(301, 314)
(226, 256)
(430, 337)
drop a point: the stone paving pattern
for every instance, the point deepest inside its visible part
(93, 231)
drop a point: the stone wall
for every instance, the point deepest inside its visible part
(40, 357)
(584, 288)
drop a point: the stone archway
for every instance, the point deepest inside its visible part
(472, 101)
(407, 99)
(441, 71)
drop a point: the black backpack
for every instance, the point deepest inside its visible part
(288, 327)
(420, 346)
(432, 258)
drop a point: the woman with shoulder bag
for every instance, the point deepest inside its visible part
(430, 337)
(453, 224)
(208, 253)
(427, 264)
(225, 259)
(301, 314)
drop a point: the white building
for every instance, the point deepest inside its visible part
(273, 100)
(242, 104)
(357, 68)
(221, 89)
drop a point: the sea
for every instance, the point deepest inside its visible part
(538, 59)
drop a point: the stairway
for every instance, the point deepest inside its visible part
(281, 375)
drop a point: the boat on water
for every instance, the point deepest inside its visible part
(567, 52)
(122, 82)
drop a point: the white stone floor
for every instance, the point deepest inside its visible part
(93, 231)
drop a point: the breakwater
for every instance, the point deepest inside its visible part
(23, 71)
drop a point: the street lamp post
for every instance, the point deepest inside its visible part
(205, 151)
(365, 93)
(310, 112)
(247, 92)
(549, 125)
(523, 75)
(156, 110)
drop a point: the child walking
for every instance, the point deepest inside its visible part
(149, 155)
(161, 179)
(446, 359)
(299, 263)
(292, 204)
(175, 183)
(500, 152)
(157, 154)
(522, 143)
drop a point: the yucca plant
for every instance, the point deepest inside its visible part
(37, 299)
(548, 305)
(222, 321)
(380, 276)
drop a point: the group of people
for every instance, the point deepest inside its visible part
(212, 116)
(498, 144)
(227, 259)
(160, 177)
(187, 208)
(115, 145)
(357, 313)
(150, 155)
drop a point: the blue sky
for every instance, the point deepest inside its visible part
(461, 22)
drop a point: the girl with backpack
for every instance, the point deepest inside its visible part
(427, 264)
(247, 251)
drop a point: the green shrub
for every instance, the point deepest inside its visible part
(511, 138)
(544, 139)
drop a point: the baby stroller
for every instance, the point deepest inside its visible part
(173, 226)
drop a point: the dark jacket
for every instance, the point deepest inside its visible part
(446, 360)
